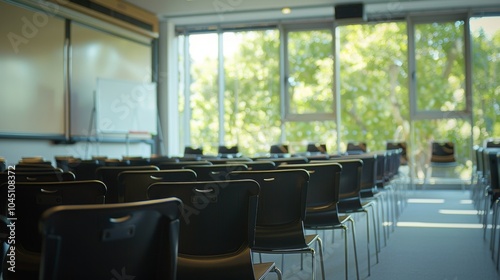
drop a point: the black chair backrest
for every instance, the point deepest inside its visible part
(493, 155)
(109, 175)
(492, 143)
(288, 160)
(134, 184)
(180, 164)
(215, 172)
(36, 167)
(3, 164)
(228, 150)
(281, 208)
(381, 168)
(322, 178)
(136, 161)
(54, 176)
(217, 227)
(369, 170)
(32, 199)
(123, 241)
(30, 166)
(232, 151)
(498, 169)
(350, 178)
(261, 165)
(193, 151)
(399, 145)
(227, 160)
(84, 169)
(478, 151)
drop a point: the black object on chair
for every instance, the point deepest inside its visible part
(443, 152)
(229, 152)
(193, 153)
(132, 240)
(134, 184)
(109, 175)
(355, 148)
(278, 150)
(217, 229)
(442, 161)
(281, 213)
(32, 199)
(492, 143)
(316, 148)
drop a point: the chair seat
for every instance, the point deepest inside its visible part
(261, 270)
(309, 239)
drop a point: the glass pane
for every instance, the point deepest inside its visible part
(182, 57)
(299, 134)
(457, 131)
(486, 82)
(251, 104)
(310, 78)
(440, 66)
(203, 51)
(373, 84)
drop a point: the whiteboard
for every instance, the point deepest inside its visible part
(126, 107)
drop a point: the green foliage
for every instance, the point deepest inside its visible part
(374, 79)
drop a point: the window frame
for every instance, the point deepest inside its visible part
(288, 115)
(415, 112)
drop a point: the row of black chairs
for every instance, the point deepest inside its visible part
(348, 191)
(486, 193)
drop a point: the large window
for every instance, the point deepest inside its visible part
(440, 66)
(486, 72)
(439, 88)
(413, 81)
(203, 92)
(251, 96)
(309, 76)
(373, 83)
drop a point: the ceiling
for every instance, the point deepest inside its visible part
(216, 11)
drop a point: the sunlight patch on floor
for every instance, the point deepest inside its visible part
(439, 225)
(458, 212)
(426, 200)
